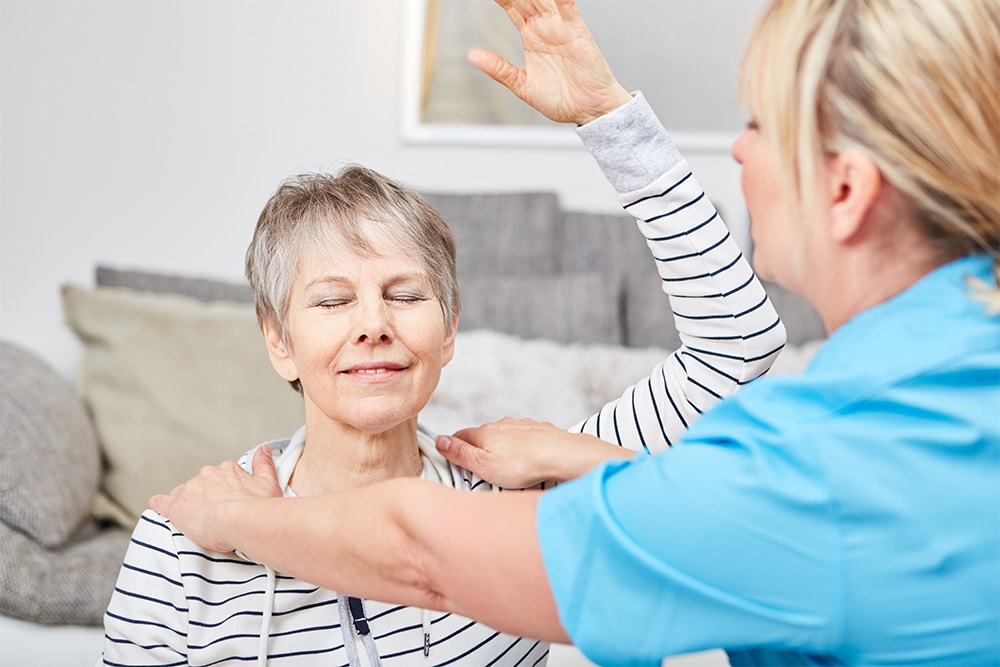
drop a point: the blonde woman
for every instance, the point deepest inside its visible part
(850, 515)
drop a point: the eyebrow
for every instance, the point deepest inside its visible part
(343, 280)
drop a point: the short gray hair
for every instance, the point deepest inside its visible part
(356, 208)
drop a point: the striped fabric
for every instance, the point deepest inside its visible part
(178, 604)
(730, 333)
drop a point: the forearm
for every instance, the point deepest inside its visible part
(409, 542)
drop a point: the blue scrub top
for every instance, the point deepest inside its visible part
(850, 515)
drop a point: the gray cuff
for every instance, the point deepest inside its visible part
(630, 145)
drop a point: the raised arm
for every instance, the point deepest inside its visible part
(730, 333)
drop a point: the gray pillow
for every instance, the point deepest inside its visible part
(202, 289)
(574, 308)
(602, 242)
(649, 321)
(49, 460)
(502, 234)
(68, 585)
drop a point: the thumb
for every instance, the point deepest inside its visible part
(460, 452)
(160, 503)
(263, 464)
(495, 67)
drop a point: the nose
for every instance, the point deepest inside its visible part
(372, 321)
(739, 146)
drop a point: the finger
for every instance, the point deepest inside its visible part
(160, 503)
(263, 465)
(469, 434)
(497, 68)
(568, 10)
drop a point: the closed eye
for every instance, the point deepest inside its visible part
(333, 303)
(407, 298)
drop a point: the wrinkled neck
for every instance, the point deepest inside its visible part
(338, 458)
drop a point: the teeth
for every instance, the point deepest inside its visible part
(370, 371)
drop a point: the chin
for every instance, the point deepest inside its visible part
(383, 422)
(760, 266)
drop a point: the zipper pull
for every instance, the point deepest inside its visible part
(427, 644)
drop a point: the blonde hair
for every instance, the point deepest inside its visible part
(912, 83)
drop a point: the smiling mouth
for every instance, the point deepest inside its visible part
(374, 370)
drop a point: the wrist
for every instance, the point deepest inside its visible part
(616, 98)
(585, 453)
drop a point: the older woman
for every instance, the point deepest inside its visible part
(847, 516)
(355, 289)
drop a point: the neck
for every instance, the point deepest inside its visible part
(338, 457)
(865, 277)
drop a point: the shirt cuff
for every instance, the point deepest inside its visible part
(630, 145)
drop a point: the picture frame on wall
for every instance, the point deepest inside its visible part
(682, 54)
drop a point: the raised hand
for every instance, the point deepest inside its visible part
(565, 75)
(521, 453)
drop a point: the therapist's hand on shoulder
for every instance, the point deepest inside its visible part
(198, 507)
(521, 453)
(565, 77)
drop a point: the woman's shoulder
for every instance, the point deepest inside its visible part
(439, 469)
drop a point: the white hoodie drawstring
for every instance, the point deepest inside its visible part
(265, 621)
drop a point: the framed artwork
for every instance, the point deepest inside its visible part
(682, 54)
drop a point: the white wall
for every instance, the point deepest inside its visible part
(149, 133)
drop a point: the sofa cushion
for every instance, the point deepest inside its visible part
(602, 242)
(573, 308)
(71, 584)
(49, 460)
(202, 289)
(495, 375)
(172, 384)
(649, 321)
(501, 234)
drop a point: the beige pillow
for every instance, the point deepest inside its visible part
(172, 384)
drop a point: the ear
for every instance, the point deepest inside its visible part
(855, 185)
(278, 352)
(448, 351)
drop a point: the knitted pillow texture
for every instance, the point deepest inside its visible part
(68, 585)
(49, 459)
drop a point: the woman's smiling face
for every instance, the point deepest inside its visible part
(365, 336)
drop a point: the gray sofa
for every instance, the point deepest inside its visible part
(527, 269)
